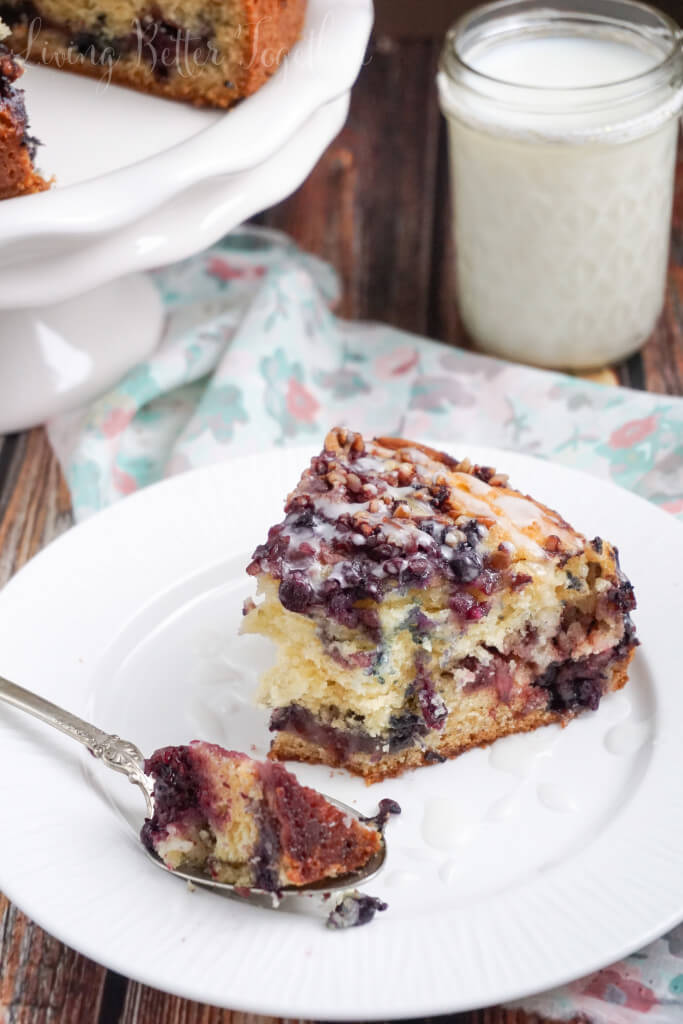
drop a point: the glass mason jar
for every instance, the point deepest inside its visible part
(563, 125)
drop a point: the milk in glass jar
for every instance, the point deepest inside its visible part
(563, 124)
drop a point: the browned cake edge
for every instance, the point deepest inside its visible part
(504, 721)
(18, 176)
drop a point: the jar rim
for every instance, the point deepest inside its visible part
(452, 60)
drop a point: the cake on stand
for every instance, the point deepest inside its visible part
(144, 182)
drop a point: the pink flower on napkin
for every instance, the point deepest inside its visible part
(117, 421)
(396, 362)
(301, 404)
(633, 432)
(123, 482)
(224, 271)
(612, 986)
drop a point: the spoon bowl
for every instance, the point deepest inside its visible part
(124, 757)
(323, 887)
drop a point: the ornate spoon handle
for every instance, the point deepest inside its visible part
(120, 755)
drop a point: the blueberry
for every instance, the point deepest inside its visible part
(295, 593)
(419, 567)
(465, 564)
(575, 684)
(386, 808)
(440, 496)
(369, 618)
(383, 551)
(433, 529)
(302, 520)
(341, 609)
(473, 531)
(354, 910)
(353, 573)
(622, 596)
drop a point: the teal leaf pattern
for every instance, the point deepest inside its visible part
(253, 357)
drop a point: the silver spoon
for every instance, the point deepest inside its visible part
(124, 757)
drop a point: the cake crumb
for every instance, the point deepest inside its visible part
(354, 909)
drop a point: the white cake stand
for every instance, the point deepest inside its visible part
(143, 182)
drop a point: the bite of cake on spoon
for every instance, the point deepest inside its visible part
(250, 824)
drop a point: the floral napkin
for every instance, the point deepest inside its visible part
(253, 358)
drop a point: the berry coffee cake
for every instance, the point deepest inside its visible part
(420, 607)
(248, 823)
(208, 53)
(17, 148)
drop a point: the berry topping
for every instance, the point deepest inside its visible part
(385, 810)
(295, 592)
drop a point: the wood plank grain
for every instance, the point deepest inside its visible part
(368, 205)
(444, 319)
(42, 980)
(663, 354)
(430, 18)
(319, 216)
(34, 500)
(144, 1004)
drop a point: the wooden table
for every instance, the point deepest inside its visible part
(376, 207)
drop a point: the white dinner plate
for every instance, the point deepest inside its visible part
(511, 869)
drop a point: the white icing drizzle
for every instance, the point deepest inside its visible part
(462, 497)
(450, 872)
(473, 484)
(504, 808)
(323, 530)
(511, 512)
(445, 826)
(401, 878)
(393, 486)
(518, 754)
(334, 509)
(555, 798)
(627, 737)
(520, 511)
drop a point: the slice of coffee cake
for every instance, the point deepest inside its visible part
(248, 823)
(18, 176)
(420, 607)
(207, 53)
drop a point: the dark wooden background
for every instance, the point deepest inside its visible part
(376, 207)
(422, 19)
